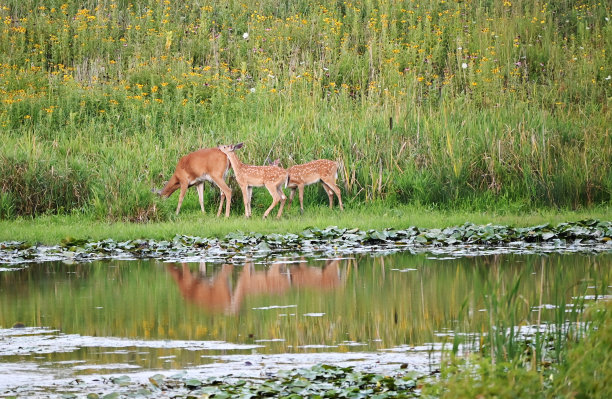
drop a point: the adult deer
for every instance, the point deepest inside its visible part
(249, 176)
(322, 170)
(196, 168)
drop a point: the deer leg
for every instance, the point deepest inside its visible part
(226, 192)
(330, 194)
(283, 198)
(181, 196)
(301, 194)
(228, 201)
(245, 199)
(291, 195)
(250, 194)
(332, 185)
(221, 200)
(200, 189)
(275, 198)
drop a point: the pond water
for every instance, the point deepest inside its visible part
(61, 322)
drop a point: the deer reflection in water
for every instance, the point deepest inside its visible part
(217, 295)
(214, 294)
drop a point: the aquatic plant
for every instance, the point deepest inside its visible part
(586, 235)
(323, 381)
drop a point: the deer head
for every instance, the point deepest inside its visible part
(226, 149)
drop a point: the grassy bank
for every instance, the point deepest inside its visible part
(436, 103)
(52, 229)
(579, 373)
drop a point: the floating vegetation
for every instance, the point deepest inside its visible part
(582, 236)
(318, 381)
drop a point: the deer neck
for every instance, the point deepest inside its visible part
(236, 164)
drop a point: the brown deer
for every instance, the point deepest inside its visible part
(249, 176)
(196, 168)
(322, 170)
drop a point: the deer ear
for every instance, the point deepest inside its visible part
(238, 146)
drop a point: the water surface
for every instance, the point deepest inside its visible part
(60, 320)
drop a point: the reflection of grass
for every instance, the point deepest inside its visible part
(140, 299)
(52, 229)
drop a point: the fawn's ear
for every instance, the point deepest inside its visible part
(237, 146)
(276, 162)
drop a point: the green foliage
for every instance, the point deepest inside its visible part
(583, 373)
(589, 363)
(31, 185)
(488, 380)
(441, 103)
(51, 229)
(321, 381)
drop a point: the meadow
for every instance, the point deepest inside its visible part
(472, 105)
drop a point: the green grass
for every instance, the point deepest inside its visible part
(580, 374)
(588, 363)
(52, 229)
(446, 104)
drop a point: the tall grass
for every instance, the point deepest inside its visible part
(580, 373)
(471, 104)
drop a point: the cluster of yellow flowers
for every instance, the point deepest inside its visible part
(154, 52)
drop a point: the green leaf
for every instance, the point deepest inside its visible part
(157, 380)
(193, 383)
(121, 381)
